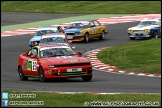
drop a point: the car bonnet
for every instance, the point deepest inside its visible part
(142, 27)
(35, 38)
(66, 60)
(73, 30)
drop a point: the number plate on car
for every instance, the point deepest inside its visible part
(69, 37)
(74, 70)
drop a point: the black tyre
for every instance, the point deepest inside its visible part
(41, 75)
(87, 78)
(102, 37)
(21, 75)
(148, 37)
(86, 38)
(155, 34)
(132, 38)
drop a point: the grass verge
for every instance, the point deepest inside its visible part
(58, 21)
(83, 7)
(53, 99)
(144, 56)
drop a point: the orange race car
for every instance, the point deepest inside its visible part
(84, 30)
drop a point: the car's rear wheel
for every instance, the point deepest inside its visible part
(87, 78)
(86, 38)
(132, 38)
(41, 75)
(102, 37)
(21, 75)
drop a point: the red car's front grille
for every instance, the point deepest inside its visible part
(73, 73)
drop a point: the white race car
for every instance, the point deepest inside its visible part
(147, 28)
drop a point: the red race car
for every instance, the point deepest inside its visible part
(53, 61)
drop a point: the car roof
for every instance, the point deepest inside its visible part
(82, 21)
(52, 45)
(44, 26)
(53, 34)
(47, 28)
(48, 46)
(151, 19)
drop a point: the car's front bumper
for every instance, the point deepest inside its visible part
(68, 74)
(141, 36)
(77, 38)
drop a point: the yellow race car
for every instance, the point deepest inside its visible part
(84, 30)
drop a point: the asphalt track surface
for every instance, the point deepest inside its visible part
(12, 47)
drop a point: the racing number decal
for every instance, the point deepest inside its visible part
(98, 30)
(32, 65)
(93, 30)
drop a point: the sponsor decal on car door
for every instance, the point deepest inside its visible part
(92, 32)
(30, 66)
(98, 31)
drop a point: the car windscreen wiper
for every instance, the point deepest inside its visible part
(56, 55)
(70, 54)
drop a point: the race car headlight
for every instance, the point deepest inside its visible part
(130, 31)
(78, 33)
(82, 33)
(146, 30)
(51, 66)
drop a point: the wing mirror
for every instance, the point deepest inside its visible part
(34, 56)
(32, 34)
(73, 47)
(69, 42)
(79, 53)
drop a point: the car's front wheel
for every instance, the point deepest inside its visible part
(86, 38)
(41, 75)
(132, 38)
(155, 34)
(21, 75)
(102, 37)
(87, 78)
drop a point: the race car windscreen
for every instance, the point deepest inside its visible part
(78, 25)
(53, 52)
(148, 23)
(42, 32)
(53, 40)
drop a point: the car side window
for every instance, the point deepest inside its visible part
(29, 53)
(97, 23)
(60, 29)
(92, 24)
(38, 33)
(32, 51)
